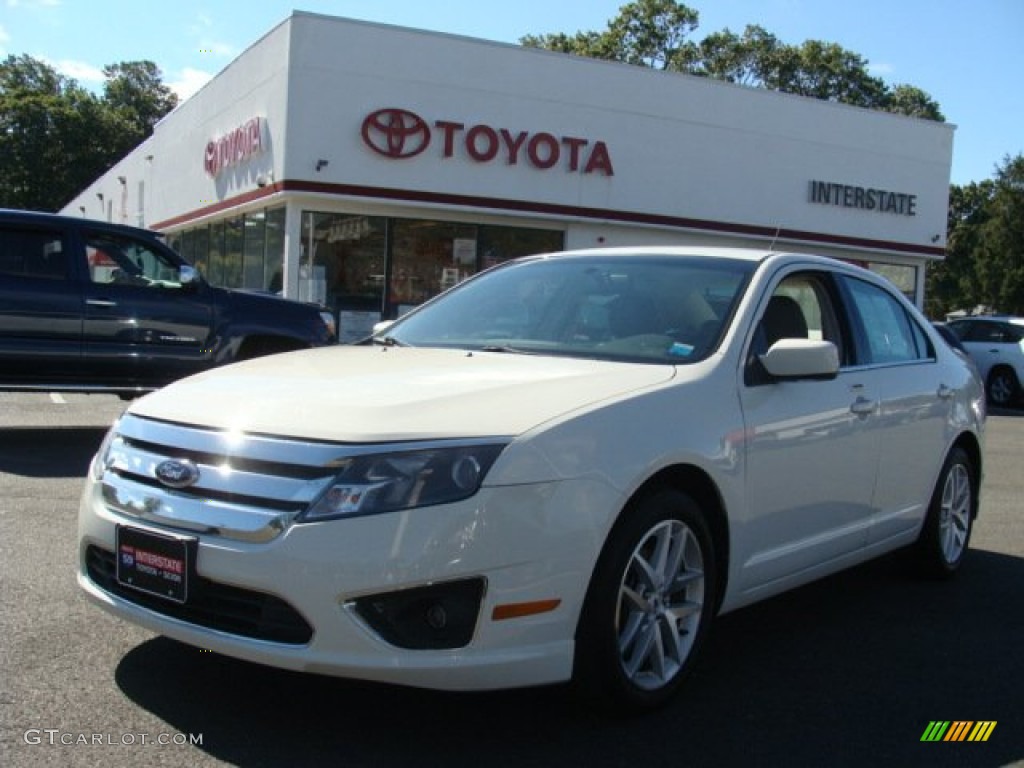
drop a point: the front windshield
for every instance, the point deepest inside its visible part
(633, 307)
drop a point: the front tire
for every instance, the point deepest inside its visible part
(947, 527)
(650, 604)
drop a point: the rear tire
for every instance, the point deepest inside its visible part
(650, 604)
(1002, 387)
(947, 527)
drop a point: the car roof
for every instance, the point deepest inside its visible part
(755, 255)
(735, 253)
(746, 254)
(44, 217)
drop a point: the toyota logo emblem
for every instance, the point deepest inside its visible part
(396, 133)
(177, 474)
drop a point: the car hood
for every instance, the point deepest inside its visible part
(374, 394)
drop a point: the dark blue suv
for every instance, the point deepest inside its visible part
(87, 306)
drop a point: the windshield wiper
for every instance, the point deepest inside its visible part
(387, 341)
(505, 349)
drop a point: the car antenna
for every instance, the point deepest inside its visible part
(778, 229)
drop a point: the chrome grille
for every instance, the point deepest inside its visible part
(249, 487)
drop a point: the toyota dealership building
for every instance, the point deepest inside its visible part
(369, 167)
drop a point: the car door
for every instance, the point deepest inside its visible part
(811, 445)
(40, 304)
(142, 326)
(915, 403)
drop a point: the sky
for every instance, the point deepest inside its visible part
(967, 54)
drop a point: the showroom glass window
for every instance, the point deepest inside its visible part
(389, 265)
(343, 259)
(201, 248)
(904, 277)
(429, 257)
(234, 234)
(352, 261)
(241, 252)
(273, 256)
(215, 257)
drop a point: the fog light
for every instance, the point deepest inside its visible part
(437, 617)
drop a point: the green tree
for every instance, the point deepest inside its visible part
(650, 33)
(593, 45)
(951, 284)
(999, 258)
(57, 137)
(45, 120)
(655, 33)
(134, 90)
(911, 101)
(744, 60)
(824, 71)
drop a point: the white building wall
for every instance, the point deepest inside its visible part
(693, 159)
(681, 147)
(170, 164)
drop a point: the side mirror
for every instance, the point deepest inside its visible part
(801, 359)
(383, 325)
(188, 276)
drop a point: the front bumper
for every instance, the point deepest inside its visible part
(527, 545)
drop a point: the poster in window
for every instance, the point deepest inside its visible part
(464, 252)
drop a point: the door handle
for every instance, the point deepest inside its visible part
(863, 407)
(945, 392)
(101, 303)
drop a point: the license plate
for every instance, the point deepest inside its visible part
(153, 563)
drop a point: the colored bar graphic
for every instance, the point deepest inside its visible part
(982, 730)
(958, 730)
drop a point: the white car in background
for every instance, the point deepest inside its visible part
(996, 344)
(563, 468)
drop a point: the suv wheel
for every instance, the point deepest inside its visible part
(1002, 387)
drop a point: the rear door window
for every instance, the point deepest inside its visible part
(889, 333)
(35, 253)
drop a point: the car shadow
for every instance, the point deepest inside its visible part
(48, 452)
(1011, 411)
(847, 671)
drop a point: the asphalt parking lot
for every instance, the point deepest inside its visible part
(848, 671)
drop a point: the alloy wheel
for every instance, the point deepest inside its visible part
(955, 513)
(660, 604)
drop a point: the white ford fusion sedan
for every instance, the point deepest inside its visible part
(561, 469)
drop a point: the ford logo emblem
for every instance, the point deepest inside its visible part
(177, 473)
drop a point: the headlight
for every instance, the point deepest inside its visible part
(386, 482)
(99, 461)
